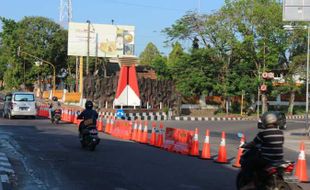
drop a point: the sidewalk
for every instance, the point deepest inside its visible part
(293, 138)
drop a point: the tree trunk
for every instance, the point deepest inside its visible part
(264, 103)
(202, 102)
(291, 103)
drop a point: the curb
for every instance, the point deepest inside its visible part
(6, 171)
(187, 118)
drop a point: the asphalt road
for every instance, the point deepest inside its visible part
(48, 157)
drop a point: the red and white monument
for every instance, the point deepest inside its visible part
(127, 93)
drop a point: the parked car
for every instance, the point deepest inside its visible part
(281, 120)
(19, 104)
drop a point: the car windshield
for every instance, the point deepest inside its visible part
(24, 97)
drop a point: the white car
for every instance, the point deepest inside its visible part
(20, 104)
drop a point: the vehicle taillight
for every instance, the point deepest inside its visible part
(271, 170)
(289, 168)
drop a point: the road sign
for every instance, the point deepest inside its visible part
(296, 10)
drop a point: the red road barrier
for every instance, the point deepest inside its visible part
(169, 139)
(183, 141)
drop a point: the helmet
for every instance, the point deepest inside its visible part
(269, 119)
(89, 104)
(55, 98)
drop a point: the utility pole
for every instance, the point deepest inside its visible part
(88, 36)
(307, 83)
(81, 76)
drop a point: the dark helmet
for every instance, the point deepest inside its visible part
(89, 104)
(269, 119)
(55, 98)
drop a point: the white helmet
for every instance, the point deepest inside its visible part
(269, 119)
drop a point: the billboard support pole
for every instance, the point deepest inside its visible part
(81, 77)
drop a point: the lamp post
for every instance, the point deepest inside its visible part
(290, 28)
(88, 36)
(20, 52)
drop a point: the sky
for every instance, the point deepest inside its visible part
(149, 17)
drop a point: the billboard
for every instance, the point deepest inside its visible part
(296, 10)
(104, 40)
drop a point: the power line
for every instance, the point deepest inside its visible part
(145, 6)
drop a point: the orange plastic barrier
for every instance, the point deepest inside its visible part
(122, 130)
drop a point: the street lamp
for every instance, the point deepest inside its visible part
(290, 28)
(40, 62)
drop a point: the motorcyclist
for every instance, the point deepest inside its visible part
(270, 143)
(87, 114)
(54, 105)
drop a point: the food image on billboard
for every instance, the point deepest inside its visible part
(104, 40)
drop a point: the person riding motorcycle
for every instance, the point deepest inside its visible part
(270, 143)
(87, 114)
(54, 105)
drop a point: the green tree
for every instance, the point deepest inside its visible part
(176, 53)
(39, 36)
(149, 54)
(159, 64)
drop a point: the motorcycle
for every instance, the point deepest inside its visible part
(88, 135)
(277, 176)
(56, 116)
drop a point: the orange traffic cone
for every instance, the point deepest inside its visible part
(153, 135)
(75, 118)
(301, 167)
(139, 133)
(100, 124)
(222, 155)
(134, 131)
(112, 123)
(160, 137)
(240, 150)
(144, 134)
(206, 147)
(195, 145)
(106, 129)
